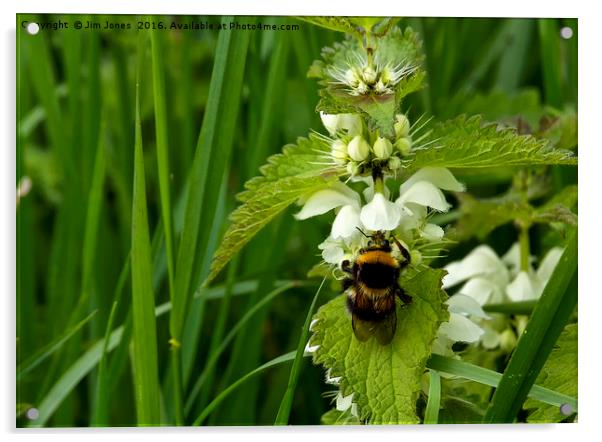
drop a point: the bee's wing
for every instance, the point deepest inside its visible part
(362, 329)
(386, 329)
(383, 330)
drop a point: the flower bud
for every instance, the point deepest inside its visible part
(352, 168)
(402, 126)
(369, 75)
(380, 87)
(362, 88)
(403, 145)
(352, 123)
(358, 148)
(339, 151)
(385, 76)
(382, 148)
(394, 163)
(351, 77)
(507, 340)
(415, 257)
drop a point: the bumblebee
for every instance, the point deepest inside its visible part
(371, 287)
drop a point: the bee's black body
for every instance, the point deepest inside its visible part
(372, 288)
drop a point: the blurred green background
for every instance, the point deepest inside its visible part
(76, 100)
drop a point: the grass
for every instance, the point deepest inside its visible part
(137, 146)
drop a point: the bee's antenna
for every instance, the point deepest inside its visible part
(362, 232)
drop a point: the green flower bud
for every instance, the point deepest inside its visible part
(402, 126)
(403, 145)
(352, 168)
(362, 88)
(415, 257)
(351, 77)
(339, 151)
(394, 163)
(382, 148)
(507, 340)
(358, 148)
(369, 75)
(380, 88)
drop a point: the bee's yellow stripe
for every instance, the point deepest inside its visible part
(377, 257)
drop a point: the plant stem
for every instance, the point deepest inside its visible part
(523, 238)
(176, 370)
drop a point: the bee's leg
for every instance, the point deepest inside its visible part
(404, 252)
(347, 267)
(403, 296)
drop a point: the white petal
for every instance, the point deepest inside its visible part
(352, 123)
(548, 264)
(490, 339)
(346, 222)
(344, 402)
(439, 176)
(330, 122)
(425, 194)
(461, 329)
(380, 214)
(325, 200)
(332, 253)
(369, 191)
(332, 380)
(479, 289)
(465, 305)
(432, 232)
(310, 349)
(481, 261)
(521, 289)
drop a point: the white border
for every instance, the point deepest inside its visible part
(590, 76)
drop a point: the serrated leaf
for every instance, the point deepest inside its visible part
(470, 142)
(339, 24)
(286, 178)
(558, 374)
(384, 379)
(336, 417)
(396, 48)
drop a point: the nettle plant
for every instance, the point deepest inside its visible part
(386, 178)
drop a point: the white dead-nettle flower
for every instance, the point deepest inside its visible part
(489, 279)
(349, 124)
(361, 76)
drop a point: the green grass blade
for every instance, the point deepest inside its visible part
(214, 148)
(287, 401)
(49, 349)
(511, 308)
(549, 36)
(492, 378)
(534, 345)
(229, 337)
(90, 359)
(146, 378)
(164, 189)
(431, 414)
(224, 394)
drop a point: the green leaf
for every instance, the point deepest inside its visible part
(209, 408)
(431, 414)
(49, 349)
(492, 378)
(469, 142)
(338, 24)
(559, 374)
(396, 48)
(286, 178)
(286, 404)
(336, 417)
(145, 360)
(384, 379)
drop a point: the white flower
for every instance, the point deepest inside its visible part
(491, 280)
(380, 214)
(350, 123)
(332, 251)
(345, 403)
(338, 151)
(338, 195)
(424, 188)
(358, 148)
(460, 327)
